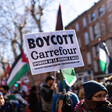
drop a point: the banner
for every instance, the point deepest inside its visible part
(51, 51)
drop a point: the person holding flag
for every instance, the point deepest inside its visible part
(104, 58)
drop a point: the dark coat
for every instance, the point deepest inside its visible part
(46, 98)
(7, 107)
(33, 102)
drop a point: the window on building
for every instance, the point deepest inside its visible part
(77, 27)
(84, 21)
(89, 18)
(95, 66)
(79, 41)
(95, 31)
(110, 22)
(89, 58)
(109, 5)
(101, 11)
(102, 27)
(93, 16)
(86, 37)
(91, 33)
(97, 50)
(93, 51)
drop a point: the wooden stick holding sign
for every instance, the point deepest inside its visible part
(63, 84)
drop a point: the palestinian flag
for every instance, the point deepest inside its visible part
(104, 58)
(19, 68)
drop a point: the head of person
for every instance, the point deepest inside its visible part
(49, 80)
(2, 101)
(61, 86)
(108, 85)
(95, 91)
(34, 89)
(4, 89)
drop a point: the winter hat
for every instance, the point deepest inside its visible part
(92, 87)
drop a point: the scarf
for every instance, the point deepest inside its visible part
(92, 106)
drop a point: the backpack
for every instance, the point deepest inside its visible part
(64, 103)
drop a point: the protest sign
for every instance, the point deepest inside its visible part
(51, 51)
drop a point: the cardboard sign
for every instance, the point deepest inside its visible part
(51, 51)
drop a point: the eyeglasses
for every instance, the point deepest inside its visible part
(100, 96)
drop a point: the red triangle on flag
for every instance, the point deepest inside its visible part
(24, 58)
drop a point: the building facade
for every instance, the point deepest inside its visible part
(89, 26)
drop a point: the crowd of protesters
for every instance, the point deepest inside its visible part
(91, 96)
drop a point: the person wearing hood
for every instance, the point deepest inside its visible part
(60, 95)
(95, 98)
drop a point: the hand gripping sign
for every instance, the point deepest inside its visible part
(51, 51)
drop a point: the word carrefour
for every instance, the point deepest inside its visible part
(52, 40)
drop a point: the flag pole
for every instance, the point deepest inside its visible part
(63, 84)
(55, 81)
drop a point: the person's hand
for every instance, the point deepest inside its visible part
(53, 86)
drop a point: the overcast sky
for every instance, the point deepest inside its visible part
(70, 10)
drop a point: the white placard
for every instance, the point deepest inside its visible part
(51, 51)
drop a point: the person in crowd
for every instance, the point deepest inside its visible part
(33, 100)
(21, 100)
(108, 85)
(46, 93)
(95, 98)
(58, 99)
(8, 106)
(2, 101)
(81, 92)
(5, 91)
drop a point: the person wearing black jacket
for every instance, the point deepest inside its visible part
(33, 100)
(46, 94)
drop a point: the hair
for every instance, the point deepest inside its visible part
(34, 88)
(5, 87)
(49, 78)
(108, 85)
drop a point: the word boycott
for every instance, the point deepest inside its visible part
(54, 39)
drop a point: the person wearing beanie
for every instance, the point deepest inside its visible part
(95, 98)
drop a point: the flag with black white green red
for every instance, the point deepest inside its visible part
(104, 58)
(19, 68)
